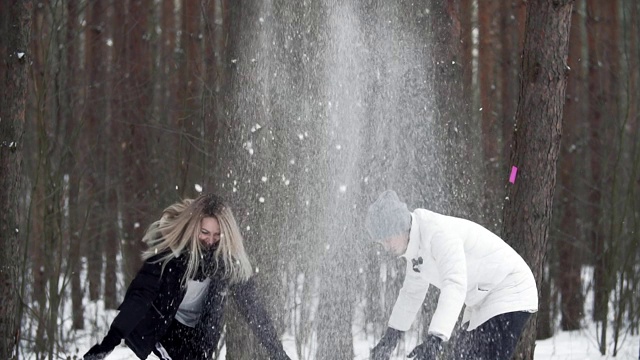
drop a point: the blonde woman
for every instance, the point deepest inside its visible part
(173, 307)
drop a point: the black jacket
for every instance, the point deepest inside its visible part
(153, 297)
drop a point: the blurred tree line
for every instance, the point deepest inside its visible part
(130, 105)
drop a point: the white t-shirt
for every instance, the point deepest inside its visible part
(191, 306)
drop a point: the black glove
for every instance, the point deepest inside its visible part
(281, 356)
(428, 350)
(385, 346)
(100, 351)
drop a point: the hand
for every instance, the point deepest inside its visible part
(102, 350)
(385, 346)
(280, 355)
(428, 350)
(97, 352)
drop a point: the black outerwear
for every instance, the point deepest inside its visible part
(152, 300)
(495, 339)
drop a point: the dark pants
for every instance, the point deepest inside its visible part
(178, 344)
(496, 339)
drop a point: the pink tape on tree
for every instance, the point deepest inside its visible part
(512, 177)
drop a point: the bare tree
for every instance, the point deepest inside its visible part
(489, 81)
(70, 107)
(12, 118)
(527, 212)
(94, 159)
(188, 123)
(596, 114)
(136, 64)
(567, 242)
(453, 110)
(511, 38)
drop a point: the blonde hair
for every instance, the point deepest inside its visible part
(176, 233)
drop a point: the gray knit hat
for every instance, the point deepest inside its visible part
(387, 216)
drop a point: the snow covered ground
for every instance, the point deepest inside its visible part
(574, 345)
(582, 345)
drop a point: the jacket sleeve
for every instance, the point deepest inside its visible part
(448, 252)
(410, 299)
(140, 294)
(254, 312)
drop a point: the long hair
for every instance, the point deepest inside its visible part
(176, 233)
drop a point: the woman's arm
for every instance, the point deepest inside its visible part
(410, 298)
(251, 308)
(140, 294)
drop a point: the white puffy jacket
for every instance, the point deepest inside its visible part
(470, 265)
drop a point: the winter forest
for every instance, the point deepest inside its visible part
(300, 113)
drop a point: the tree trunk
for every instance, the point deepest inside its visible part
(36, 242)
(633, 9)
(527, 212)
(568, 239)
(452, 112)
(488, 77)
(239, 343)
(12, 113)
(466, 48)
(215, 25)
(167, 104)
(137, 184)
(512, 34)
(168, 80)
(188, 123)
(544, 317)
(462, 144)
(94, 143)
(70, 152)
(596, 111)
(102, 235)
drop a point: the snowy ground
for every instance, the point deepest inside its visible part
(582, 345)
(575, 345)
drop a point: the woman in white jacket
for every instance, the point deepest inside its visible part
(470, 265)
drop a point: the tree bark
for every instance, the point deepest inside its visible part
(94, 157)
(137, 184)
(488, 56)
(452, 114)
(167, 81)
(527, 211)
(462, 136)
(12, 115)
(568, 241)
(240, 343)
(512, 35)
(37, 243)
(70, 154)
(597, 160)
(188, 123)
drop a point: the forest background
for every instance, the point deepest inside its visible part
(300, 113)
